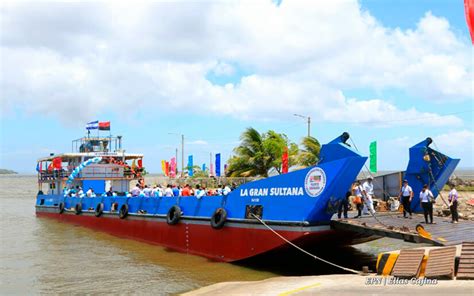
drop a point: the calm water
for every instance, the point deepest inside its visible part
(44, 256)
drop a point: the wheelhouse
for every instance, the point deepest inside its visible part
(116, 168)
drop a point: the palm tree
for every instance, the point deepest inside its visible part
(309, 155)
(250, 158)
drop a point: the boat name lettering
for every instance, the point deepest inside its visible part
(276, 191)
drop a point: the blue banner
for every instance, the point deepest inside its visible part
(218, 164)
(190, 165)
(203, 167)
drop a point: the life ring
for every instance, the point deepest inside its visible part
(173, 216)
(123, 211)
(99, 209)
(61, 207)
(78, 208)
(218, 218)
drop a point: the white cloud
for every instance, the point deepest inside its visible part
(74, 61)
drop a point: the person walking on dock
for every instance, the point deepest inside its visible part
(368, 193)
(406, 196)
(426, 200)
(344, 206)
(357, 193)
(453, 204)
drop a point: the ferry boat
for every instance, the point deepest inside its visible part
(298, 205)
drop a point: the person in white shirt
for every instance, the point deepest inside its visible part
(358, 201)
(200, 192)
(405, 196)
(147, 191)
(89, 192)
(426, 201)
(368, 193)
(168, 191)
(453, 204)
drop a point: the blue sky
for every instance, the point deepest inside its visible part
(392, 71)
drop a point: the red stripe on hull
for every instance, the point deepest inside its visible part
(227, 244)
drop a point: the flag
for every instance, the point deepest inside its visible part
(284, 161)
(163, 166)
(50, 167)
(92, 125)
(469, 10)
(140, 163)
(373, 156)
(57, 163)
(190, 165)
(203, 167)
(38, 167)
(134, 164)
(225, 168)
(173, 167)
(104, 126)
(168, 167)
(218, 164)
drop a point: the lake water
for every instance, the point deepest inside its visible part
(43, 256)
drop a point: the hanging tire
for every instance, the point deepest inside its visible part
(218, 218)
(61, 208)
(78, 208)
(123, 211)
(173, 216)
(99, 209)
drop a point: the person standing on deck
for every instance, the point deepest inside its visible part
(453, 204)
(136, 190)
(426, 201)
(405, 196)
(186, 191)
(358, 200)
(344, 206)
(169, 191)
(368, 193)
(175, 190)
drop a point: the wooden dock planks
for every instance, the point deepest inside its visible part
(440, 263)
(393, 225)
(466, 262)
(408, 263)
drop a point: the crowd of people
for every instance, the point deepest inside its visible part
(142, 190)
(173, 190)
(364, 195)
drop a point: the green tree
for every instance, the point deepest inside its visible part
(309, 155)
(258, 153)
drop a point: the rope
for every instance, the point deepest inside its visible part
(304, 251)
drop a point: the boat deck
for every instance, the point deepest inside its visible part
(393, 225)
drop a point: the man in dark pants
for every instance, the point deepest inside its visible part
(344, 206)
(405, 196)
(453, 204)
(426, 200)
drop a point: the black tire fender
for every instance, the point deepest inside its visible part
(61, 207)
(99, 209)
(174, 215)
(219, 218)
(78, 208)
(123, 213)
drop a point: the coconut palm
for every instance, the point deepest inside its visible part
(259, 153)
(309, 155)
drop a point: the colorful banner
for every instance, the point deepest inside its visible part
(167, 164)
(163, 166)
(190, 165)
(469, 10)
(284, 161)
(203, 167)
(373, 156)
(218, 164)
(173, 167)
